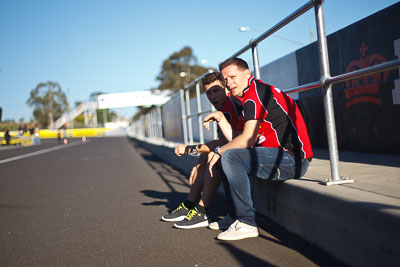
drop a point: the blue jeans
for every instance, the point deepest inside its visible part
(263, 162)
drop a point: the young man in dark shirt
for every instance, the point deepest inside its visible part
(189, 215)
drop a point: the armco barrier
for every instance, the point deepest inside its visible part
(88, 132)
(14, 140)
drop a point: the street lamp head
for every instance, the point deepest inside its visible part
(244, 29)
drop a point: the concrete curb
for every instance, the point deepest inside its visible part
(358, 227)
(358, 233)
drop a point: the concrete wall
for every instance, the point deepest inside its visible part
(358, 227)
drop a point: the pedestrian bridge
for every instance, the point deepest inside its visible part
(118, 100)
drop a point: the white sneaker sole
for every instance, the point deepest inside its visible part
(177, 219)
(197, 225)
(237, 236)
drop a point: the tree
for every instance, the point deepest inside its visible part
(49, 101)
(179, 70)
(93, 96)
(141, 111)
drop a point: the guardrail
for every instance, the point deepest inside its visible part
(187, 115)
(325, 83)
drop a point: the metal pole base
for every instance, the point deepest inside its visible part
(343, 180)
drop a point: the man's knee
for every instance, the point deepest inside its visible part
(203, 158)
(229, 157)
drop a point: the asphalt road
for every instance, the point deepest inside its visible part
(99, 203)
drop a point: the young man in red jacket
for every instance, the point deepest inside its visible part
(274, 143)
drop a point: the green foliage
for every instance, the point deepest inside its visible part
(77, 103)
(141, 111)
(101, 117)
(49, 102)
(10, 125)
(79, 119)
(93, 96)
(179, 70)
(110, 116)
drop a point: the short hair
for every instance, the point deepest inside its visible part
(238, 62)
(212, 77)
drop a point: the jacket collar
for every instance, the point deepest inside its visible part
(249, 82)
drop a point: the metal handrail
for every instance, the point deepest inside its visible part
(324, 74)
(347, 76)
(199, 113)
(364, 72)
(302, 88)
(325, 82)
(198, 79)
(186, 113)
(276, 27)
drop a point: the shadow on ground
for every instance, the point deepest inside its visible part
(218, 208)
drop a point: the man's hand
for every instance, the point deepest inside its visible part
(193, 174)
(215, 116)
(212, 159)
(180, 150)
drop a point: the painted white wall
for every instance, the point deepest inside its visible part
(282, 73)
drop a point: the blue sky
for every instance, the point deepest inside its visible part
(119, 46)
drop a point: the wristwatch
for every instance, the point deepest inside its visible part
(216, 150)
(194, 151)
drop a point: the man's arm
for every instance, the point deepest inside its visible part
(210, 146)
(182, 149)
(224, 125)
(246, 139)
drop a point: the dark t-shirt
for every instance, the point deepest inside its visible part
(232, 110)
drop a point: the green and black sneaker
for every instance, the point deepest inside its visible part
(193, 219)
(177, 215)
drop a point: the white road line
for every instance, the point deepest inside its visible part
(54, 148)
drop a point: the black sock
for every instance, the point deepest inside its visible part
(202, 209)
(189, 204)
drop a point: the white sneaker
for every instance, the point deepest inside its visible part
(222, 224)
(238, 230)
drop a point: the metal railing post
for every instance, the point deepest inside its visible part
(254, 52)
(143, 126)
(200, 121)
(215, 125)
(149, 125)
(185, 135)
(95, 117)
(160, 125)
(188, 117)
(327, 95)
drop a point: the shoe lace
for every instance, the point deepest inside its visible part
(178, 208)
(190, 214)
(234, 227)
